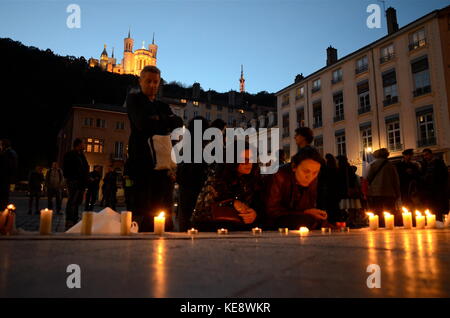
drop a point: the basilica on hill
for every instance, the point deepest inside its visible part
(133, 61)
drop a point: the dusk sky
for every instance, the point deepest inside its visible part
(208, 40)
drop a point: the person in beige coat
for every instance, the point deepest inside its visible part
(384, 186)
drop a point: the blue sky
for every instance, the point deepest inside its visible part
(208, 40)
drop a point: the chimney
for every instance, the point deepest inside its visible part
(331, 55)
(299, 77)
(391, 17)
(195, 91)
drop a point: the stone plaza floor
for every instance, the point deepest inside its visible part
(413, 263)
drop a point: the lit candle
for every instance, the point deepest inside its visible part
(326, 230)
(431, 220)
(12, 208)
(303, 231)
(159, 223)
(420, 220)
(407, 218)
(87, 220)
(373, 221)
(283, 230)
(222, 231)
(256, 231)
(193, 231)
(388, 221)
(125, 222)
(45, 226)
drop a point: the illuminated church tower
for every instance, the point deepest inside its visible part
(128, 58)
(242, 80)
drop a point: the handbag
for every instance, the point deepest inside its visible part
(225, 212)
(161, 149)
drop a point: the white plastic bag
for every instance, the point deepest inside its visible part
(162, 147)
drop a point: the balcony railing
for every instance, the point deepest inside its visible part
(315, 89)
(426, 142)
(395, 147)
(361, 69)
(336, 80)
(338, 117)
(417, 44)
(317, 124)
(363, 110)
(422, 91)
(390, 101)
(386, 58)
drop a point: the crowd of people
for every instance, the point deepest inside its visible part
(310, 190)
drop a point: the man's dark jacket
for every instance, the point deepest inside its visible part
(147, 119)
(76, 167)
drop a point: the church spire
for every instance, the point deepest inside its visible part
(129, 30)
(112, 52)
(242, 80)
(153, 41)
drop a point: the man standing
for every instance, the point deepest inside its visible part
(54, 181)
(408, 173)
(304, 136)
(434, 184)
(76, 170)
(35, 186)
(93, 185)
(149, 117)
(8, 171)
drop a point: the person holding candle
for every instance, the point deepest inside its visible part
(291, 198)
(233, 188)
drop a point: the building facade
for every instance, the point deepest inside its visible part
(133, 61)
(393, 93)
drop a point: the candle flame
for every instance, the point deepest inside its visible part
(386, 214)
(11, 207)
(161, 215)
(405, 210)
(427, 212)
(369, 214)
(418, 213)
(304, 229)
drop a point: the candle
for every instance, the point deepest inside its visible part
(45, 226)
(407, 218)
(159, 223)
(373, 221)
(446, 220)
(193, 231)
(87, 220)
(125, 222)
(12, 208)
(256, 231)
(326, 230)
(420, 220)
(222, 231)
(388, 221)
(283, 230)
(303, 231)
(431, 220)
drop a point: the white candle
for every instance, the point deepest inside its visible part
(388, 221)
(193, 231)
(87, 220)
(373, 221)
(420, 220)
(283, 230)
(431, 220)
(303, 231)
(159, 223)
(222, 231)
(45, 226)
(125, 222)
(407, 218)
(256, 231)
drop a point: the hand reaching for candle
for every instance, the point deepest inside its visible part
(247, 214)
(317, 214)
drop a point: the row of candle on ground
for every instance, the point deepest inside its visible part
(407, 220)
